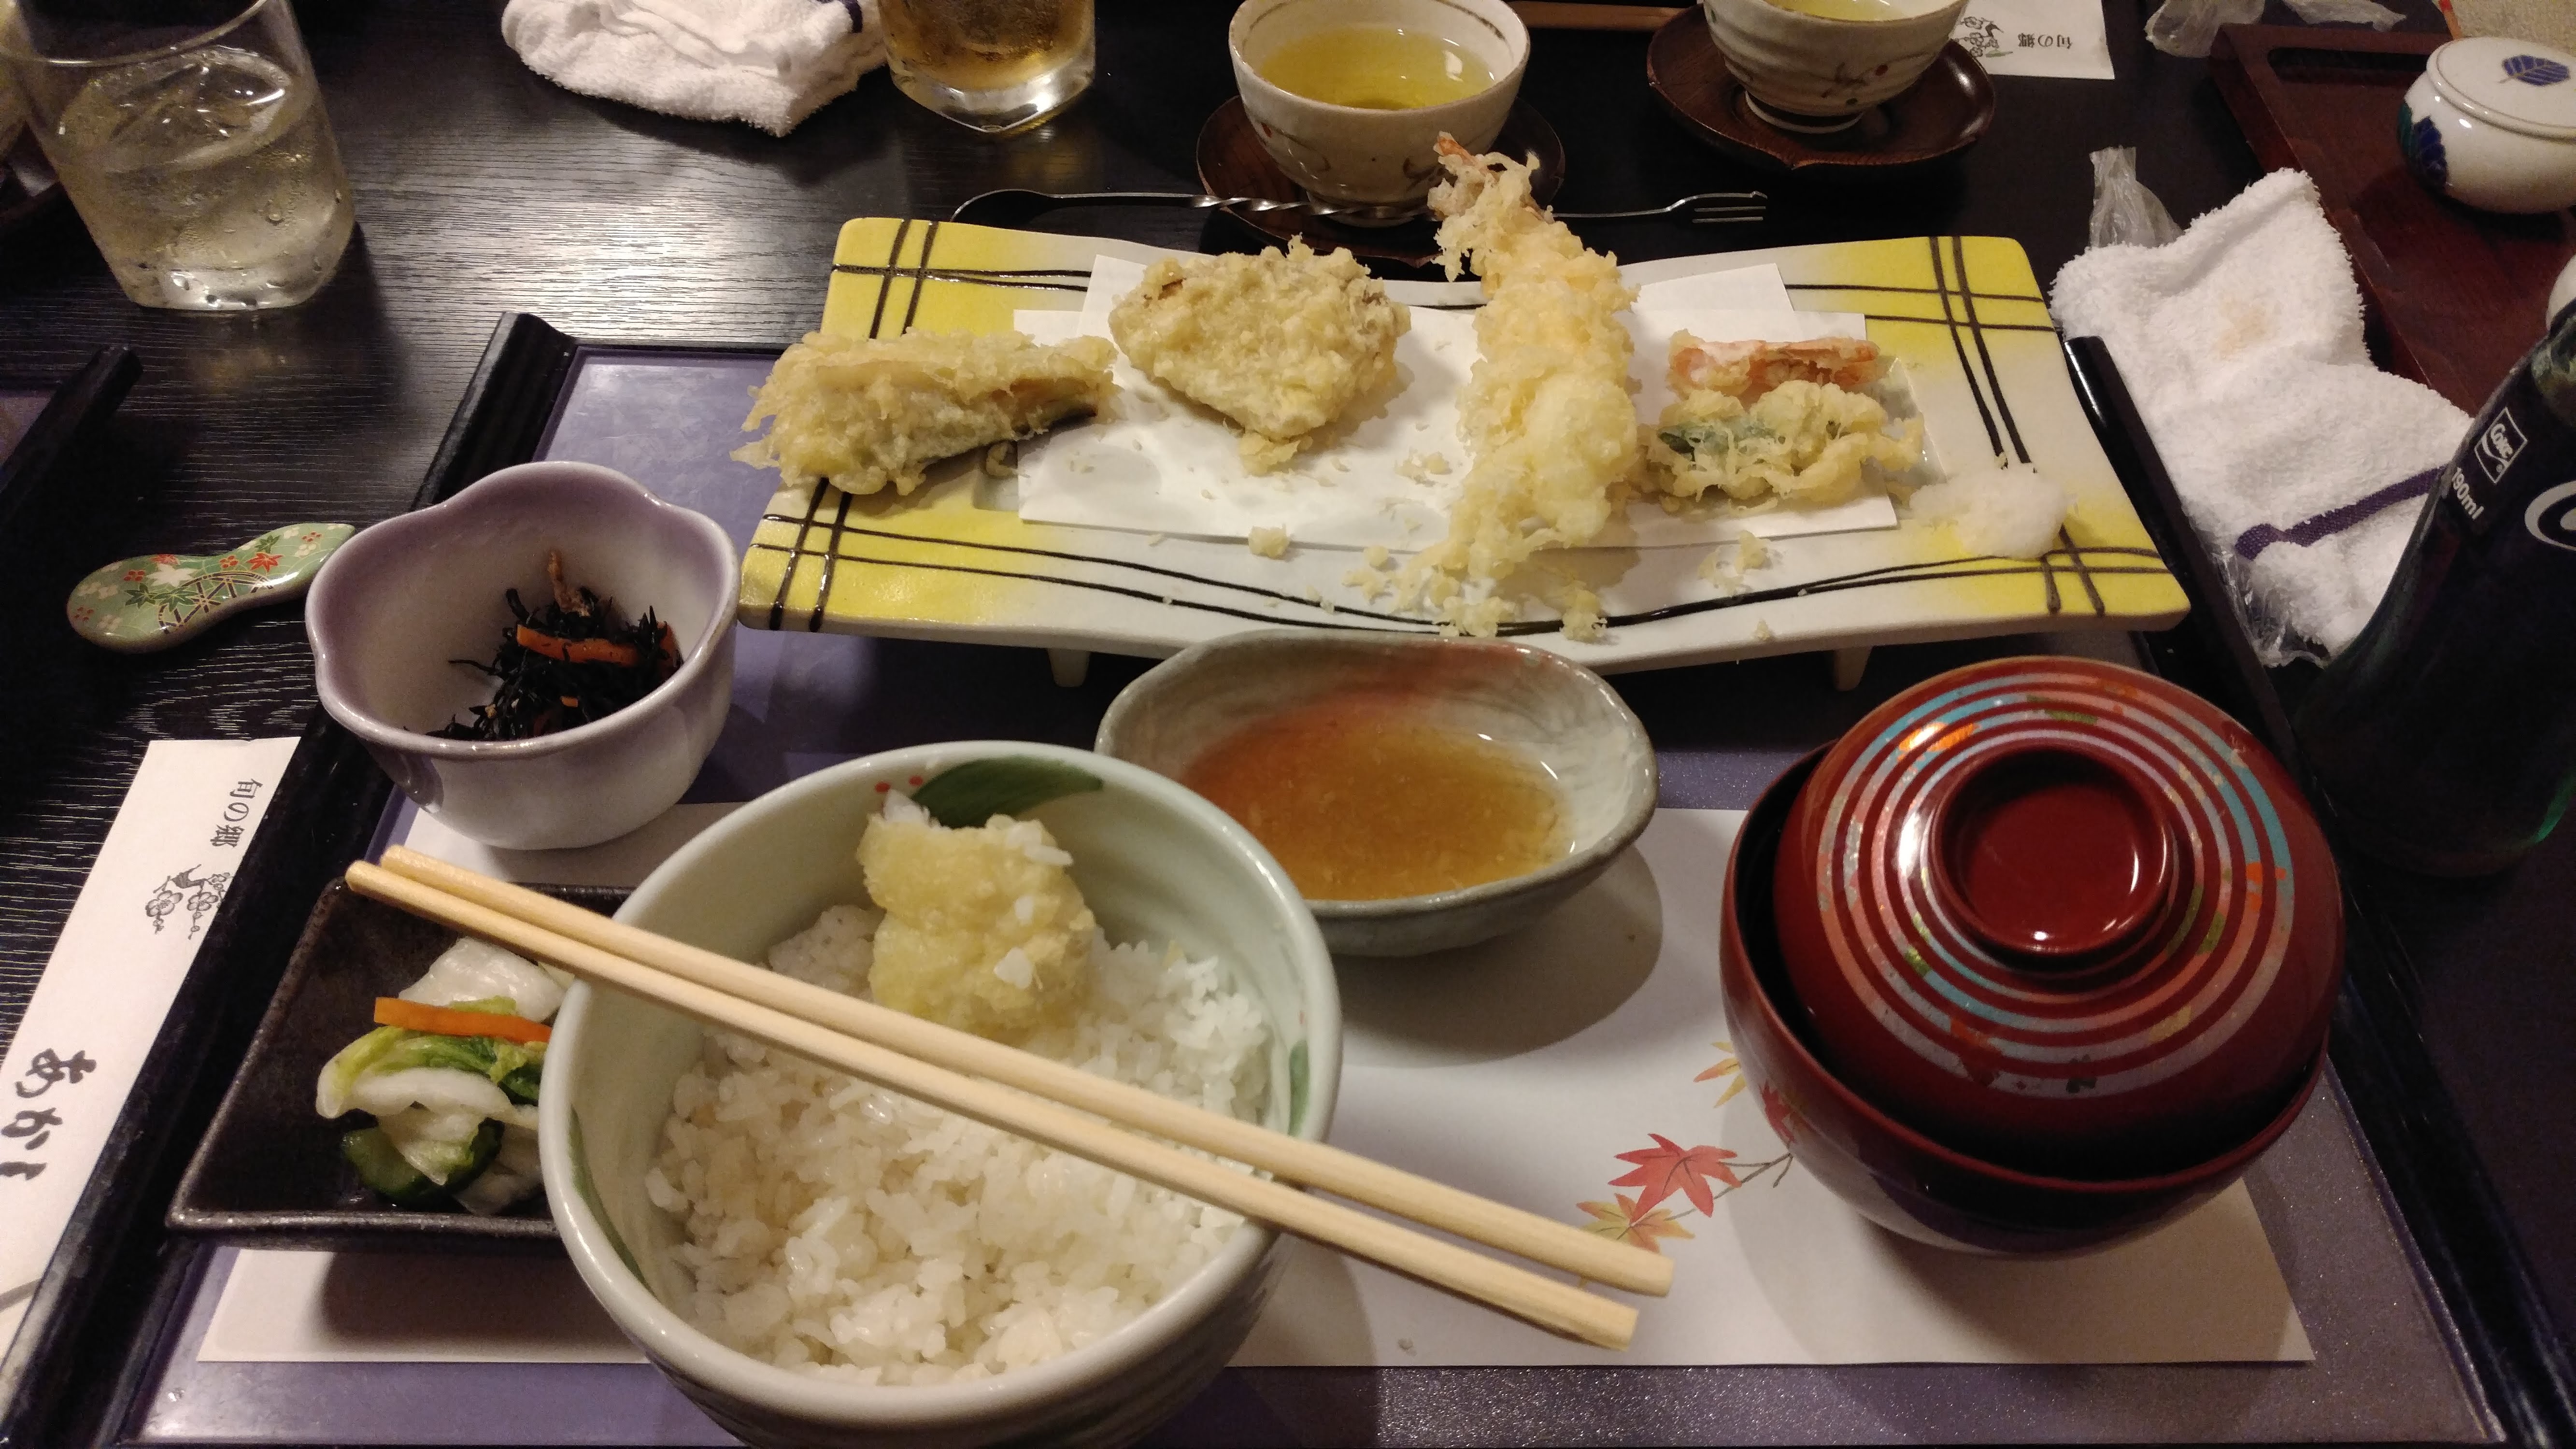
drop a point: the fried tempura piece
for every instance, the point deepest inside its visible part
(862, 412)
(1546, 411)
(1746, 370)
(1282, 343)
(984, 929)
(1754, 419)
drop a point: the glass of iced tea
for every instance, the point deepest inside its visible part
(192, 141)
(995, 65)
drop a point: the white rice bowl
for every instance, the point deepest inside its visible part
(1158, 865)
(847, 1230)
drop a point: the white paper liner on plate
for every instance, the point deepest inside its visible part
(1156, 463)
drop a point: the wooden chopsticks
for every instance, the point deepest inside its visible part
(1577, 15)
(968, 1074)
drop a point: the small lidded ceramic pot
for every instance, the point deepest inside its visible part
(2063, 917)
(2492, 124)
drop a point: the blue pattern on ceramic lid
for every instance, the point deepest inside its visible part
(2515, 84)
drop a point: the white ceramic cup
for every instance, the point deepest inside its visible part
(1378, 159)
(1810, 73)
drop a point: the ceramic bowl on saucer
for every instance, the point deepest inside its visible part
(1232, 161)
(1377, 157)
(399, 603)
(1815, 65)
(1944, 113)
(1553, 713)
(1155, 864)
(2491, 123)
(2031, 923)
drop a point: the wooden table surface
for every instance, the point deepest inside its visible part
(482, 188)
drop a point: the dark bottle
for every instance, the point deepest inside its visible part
(2444, 737)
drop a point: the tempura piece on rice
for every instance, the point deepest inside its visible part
(861, 412)
(1546, 411)
(1283, 343)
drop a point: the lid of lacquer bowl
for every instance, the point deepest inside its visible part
(2061, 916)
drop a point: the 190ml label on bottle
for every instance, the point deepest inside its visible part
(2516, 469)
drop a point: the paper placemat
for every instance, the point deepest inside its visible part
(1561, 1089)
(178, 837)
(2061, 38)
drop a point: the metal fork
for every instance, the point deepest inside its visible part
(1011, 206)
(1708, 208)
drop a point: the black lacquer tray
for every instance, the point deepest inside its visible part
(2514, 1369)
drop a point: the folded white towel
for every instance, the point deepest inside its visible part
(769, 62)
(2296, 459)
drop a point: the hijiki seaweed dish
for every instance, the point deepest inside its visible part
(570, 662)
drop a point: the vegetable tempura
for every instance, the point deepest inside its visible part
(1758, 419)
(862, 412)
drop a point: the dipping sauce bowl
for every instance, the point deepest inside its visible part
(1556, 714)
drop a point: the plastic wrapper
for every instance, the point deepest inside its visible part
(2346, 12)
(2126, 213)
(2186, 27)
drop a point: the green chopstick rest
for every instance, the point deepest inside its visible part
(155, 600)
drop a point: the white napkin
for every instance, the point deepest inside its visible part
(2299, 462)
(769, 62)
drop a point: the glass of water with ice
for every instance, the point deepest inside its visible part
(192, 141)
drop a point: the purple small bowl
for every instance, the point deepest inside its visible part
(401, 600)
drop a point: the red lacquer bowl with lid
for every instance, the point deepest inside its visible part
(2062, 916)
(2092, 861)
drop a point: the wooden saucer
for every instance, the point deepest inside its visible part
(1232, 162)
(1945, 113)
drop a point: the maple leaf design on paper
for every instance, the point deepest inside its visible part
(1729, 1070)
(1668, 1165)
(1783, 1117)
(1626, 1222)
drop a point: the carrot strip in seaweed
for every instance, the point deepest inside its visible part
(568, 663)
(580, 651)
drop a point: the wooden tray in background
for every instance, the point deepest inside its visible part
(2454, 297)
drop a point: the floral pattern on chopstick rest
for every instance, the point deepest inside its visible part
(155, 600)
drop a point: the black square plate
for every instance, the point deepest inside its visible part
(269, 1173)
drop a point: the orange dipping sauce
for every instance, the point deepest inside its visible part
(1361, 800)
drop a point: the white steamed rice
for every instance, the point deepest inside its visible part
(839, 1228)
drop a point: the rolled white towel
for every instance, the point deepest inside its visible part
(2296, 459)
(769, 62)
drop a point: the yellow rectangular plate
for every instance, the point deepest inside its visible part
(1964, 314)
